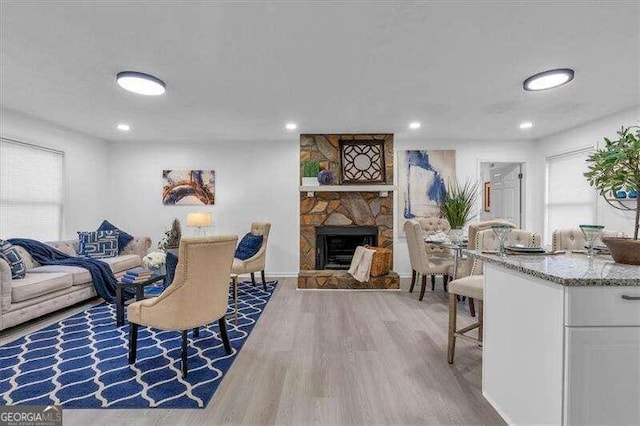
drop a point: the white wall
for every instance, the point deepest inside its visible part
(255, 181)
(86, 167)
(585, 136)
(469, 156)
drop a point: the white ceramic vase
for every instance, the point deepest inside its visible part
(310, 181)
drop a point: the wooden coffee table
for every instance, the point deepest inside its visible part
(121, 287)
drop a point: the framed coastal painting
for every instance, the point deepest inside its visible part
(422, 178)
(188, 187)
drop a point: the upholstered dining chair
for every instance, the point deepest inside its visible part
(255, 263)
(432, 225)
(574, 239)
(422, 263)
(464, 266)
(472, 286)
(197, 296)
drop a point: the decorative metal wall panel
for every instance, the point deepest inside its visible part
(362, 162)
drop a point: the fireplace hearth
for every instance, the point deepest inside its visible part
(335, 245)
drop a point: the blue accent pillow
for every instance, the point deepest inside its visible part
(171, 262)
(10, 255)
(98, 244)
(249, 246)
(123, 237)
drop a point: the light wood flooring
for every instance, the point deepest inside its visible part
(333, 357)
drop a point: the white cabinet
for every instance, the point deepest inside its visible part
(560, 355)
(602, 375)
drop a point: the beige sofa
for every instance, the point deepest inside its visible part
(46, 289)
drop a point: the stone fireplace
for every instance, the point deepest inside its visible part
(333, 223)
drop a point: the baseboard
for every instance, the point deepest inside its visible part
(495, 407)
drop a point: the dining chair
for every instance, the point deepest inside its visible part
(472, 286)
(432, 225)
(465, 265)
(256, 263)
(197, 296)
(423, 263)
(573, 239)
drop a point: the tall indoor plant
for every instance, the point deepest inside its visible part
(614, 167)
(459, 202)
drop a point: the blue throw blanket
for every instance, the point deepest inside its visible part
(103, 279)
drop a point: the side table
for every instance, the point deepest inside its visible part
(139, 289)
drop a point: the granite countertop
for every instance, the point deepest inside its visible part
(568, 269)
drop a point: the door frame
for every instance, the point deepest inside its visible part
(526, 169)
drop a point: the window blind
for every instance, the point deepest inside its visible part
(31, 182)
(570, 201)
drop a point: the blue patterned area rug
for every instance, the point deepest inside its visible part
(81, 362)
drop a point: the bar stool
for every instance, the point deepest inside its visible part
(471, 287)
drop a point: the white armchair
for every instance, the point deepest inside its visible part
(257, 262)
(197, 296)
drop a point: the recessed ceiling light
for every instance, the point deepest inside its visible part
(526, 125)
(140, 83)
(548, 79)
(414, 125)
(124, 127)
(291, 126)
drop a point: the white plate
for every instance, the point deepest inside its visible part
(525, 249)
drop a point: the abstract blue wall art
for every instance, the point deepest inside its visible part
(422, 176)
(188, 187)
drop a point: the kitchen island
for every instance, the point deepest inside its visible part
(561, 339)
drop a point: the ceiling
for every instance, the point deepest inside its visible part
(240, 71)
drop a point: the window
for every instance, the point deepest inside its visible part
(30, 191)
(570, 201)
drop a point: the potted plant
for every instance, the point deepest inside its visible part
(310, 170)
(613, 168)
(459, 201)
(171, 239)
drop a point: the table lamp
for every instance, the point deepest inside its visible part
(199, 220)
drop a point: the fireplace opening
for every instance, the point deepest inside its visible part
(335, 245)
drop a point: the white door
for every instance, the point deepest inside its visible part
(506, 192)
(603, 375)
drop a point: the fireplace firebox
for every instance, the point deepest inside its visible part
(335, 245)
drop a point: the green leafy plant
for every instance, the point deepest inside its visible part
(459, 201)
(310, 168)
(171, 237)
(617, 166)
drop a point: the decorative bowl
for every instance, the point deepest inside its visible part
(623, 250)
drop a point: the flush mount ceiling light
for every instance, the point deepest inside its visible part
(140, 83)
(291, 126)
(548, 79)
(414, 125)
(526, 125)
(124, 127)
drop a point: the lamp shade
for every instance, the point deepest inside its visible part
(199, 219)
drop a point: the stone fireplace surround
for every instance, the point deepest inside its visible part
(342, 209)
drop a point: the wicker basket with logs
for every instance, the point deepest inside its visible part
(381, 263)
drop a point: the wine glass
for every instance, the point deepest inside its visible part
(591, 233)
(502, 233)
